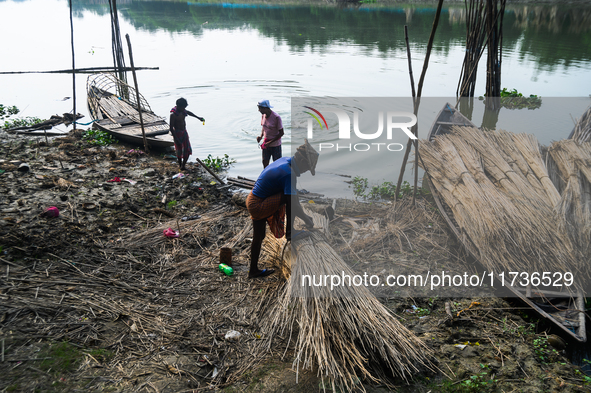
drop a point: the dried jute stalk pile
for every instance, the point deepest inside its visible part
(343, 331)
(573, 161)
(499, 190)
(582, 130)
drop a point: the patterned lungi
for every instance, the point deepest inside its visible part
(269, 208)
(182, 145)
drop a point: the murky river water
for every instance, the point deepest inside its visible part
(225, 57)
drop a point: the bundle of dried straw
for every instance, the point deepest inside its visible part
(573, 161)
(343, 331)
(498, 189)
(582, 130)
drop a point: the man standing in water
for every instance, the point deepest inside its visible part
(274, 194)
(178, 129)
(271, 133)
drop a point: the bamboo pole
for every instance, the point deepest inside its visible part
(73, 65)
(412, 87)
(412, 80)
(416, 103)
(209, 170)
(137, 93)
(87, 70)
(116, 45)
(429, 47)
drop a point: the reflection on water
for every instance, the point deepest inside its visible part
(540, 31)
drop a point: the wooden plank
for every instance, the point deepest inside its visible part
(238, 183)
(582, 321)
(543, 292)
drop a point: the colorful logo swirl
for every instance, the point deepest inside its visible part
(314, 116)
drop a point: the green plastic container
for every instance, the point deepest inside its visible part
(227, 270)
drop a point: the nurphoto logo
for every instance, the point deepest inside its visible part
(394, 121)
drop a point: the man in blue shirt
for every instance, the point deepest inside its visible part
(274, 194)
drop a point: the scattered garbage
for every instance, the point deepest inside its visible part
(232, 335)
(226, 256)
(171, 233)
(23, 167)
(51, 212)
(178, 176)
(121, 179)
(189, 218)
(227, 270)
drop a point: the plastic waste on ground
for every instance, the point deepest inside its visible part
(227, 270)
(188, 218)
(232, 335)
(178, 176)
(171, 233)
(117, 179)
(51, 212)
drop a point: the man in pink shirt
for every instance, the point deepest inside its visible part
(271, 133)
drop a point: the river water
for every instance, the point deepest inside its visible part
(224, 57)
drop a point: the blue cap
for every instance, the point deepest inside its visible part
(264, 104)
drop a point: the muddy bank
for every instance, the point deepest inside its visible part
(99, 299)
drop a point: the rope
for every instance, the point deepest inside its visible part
(86, 124)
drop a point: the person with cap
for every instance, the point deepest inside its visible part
(274, 194)
(271, 133)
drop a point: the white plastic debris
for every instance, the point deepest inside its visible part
(232, 335)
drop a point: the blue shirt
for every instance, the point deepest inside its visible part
(277, 177)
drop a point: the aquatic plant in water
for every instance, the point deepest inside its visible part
(512, 99)
(101, 138)
(217, 164)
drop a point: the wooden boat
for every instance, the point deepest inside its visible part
(113, 106)
(565, 310)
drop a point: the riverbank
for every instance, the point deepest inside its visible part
(99, 299)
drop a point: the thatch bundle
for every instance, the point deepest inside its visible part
(344, 331)
(582, 130)
(497, 186)
(573, 161)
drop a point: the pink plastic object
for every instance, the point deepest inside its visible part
(171, 233)
(51, 211)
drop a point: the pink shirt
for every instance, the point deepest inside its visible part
(271, 126)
